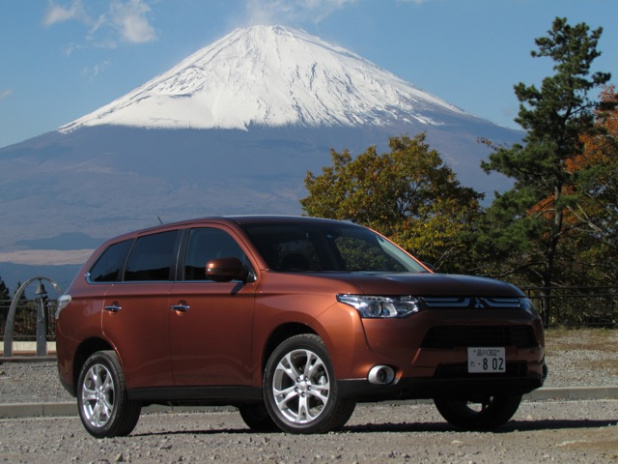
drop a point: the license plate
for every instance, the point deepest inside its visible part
(486, 360)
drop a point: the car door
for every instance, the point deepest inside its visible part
(211, 322)
(135, 316)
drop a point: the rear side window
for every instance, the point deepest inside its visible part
(108, 266)
(152, 256)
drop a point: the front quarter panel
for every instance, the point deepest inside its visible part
(309, 302)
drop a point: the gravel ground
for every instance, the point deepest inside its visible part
(577, 358)
(584, 432)
(541, 432)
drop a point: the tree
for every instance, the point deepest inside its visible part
(596, 172)
(5, 302)
(407, 194)
(4, 291)
(531, 216)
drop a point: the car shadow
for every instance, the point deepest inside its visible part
(413, 427)
(511, 426)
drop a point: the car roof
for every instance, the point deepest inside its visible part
(272, 219)
(239, 220)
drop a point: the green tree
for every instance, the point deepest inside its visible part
(527, 224)
(408, 194)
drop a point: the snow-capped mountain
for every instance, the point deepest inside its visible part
(232, 129)
(270, 76)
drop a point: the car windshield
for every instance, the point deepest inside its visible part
(318, 247)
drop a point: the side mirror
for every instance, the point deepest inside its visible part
(225, 269)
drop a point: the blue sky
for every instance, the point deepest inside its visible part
(62, 59)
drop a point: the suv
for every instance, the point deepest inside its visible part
(291, 320)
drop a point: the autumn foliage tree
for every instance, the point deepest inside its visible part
(594, 217)
(408, 194)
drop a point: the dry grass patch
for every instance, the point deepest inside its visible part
(603, 340)
(597, 349)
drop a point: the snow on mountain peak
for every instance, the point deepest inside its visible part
(269, 76)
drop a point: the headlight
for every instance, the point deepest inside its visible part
(370, 306)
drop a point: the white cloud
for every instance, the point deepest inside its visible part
(5, 94)
(118, 21)
(58, 13)
(130, 19)
(95, 70)
(268, 11)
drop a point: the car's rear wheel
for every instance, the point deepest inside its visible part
(487, 414)
(300, 390)
(104, 408)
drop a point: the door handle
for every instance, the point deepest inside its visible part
(113, 308)
(182, 307)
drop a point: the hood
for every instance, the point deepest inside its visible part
(431, 285)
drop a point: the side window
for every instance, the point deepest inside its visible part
(108, 266)
(287, 248)
(152, 257)
(205, 244)
(297, 256)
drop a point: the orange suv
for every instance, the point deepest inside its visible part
(291, 320)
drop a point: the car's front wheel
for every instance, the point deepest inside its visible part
(487, 414)
(300, 390)
(104, 408)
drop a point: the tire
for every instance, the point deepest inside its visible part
(257, 418)
(300, 389)
(489, 414)
(104, 408)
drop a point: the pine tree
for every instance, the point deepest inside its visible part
(555, 117)
(4, 291)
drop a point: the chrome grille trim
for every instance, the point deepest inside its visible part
(445, 302)
(451, 302)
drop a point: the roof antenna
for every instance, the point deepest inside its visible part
(160, 221)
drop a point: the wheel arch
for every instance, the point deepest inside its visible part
(280, 334)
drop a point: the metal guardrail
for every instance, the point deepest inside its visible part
(42, 319)
(26, 319)
(576, 306)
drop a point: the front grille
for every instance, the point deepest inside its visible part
(448, 337)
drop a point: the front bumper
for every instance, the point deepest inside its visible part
(470, 388)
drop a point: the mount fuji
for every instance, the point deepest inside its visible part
(231, 129)
(273, 77)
